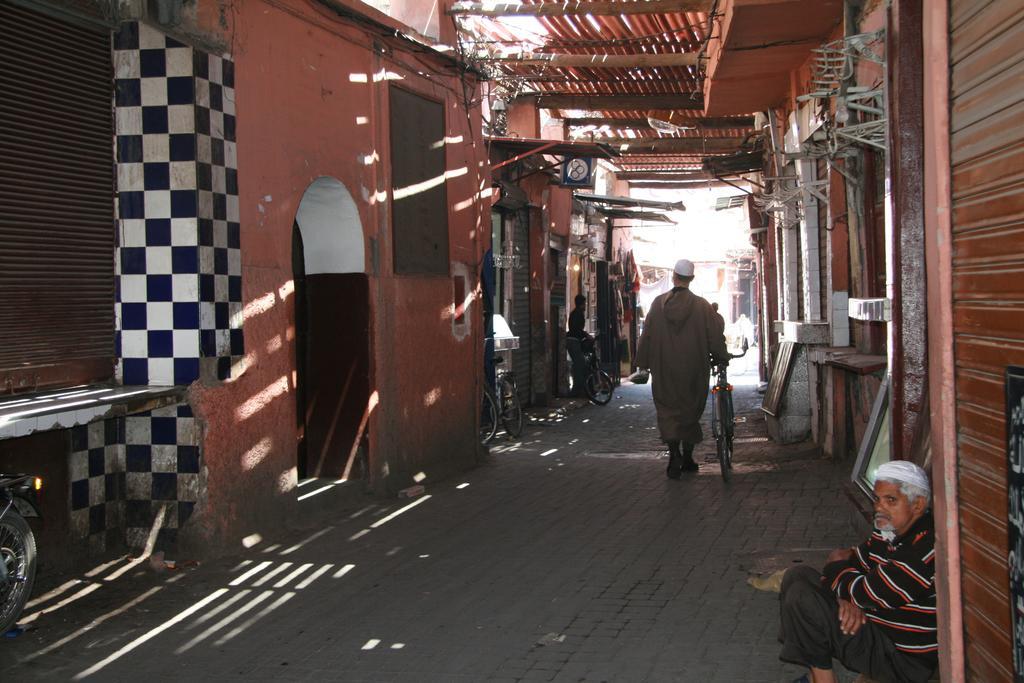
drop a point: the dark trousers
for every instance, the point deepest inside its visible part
(580, 369)
(811, 637)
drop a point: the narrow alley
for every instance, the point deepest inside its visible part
(274, 271)
(568, 556)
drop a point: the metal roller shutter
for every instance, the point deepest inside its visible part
(520, 322)
(56, 202)
(987, 155)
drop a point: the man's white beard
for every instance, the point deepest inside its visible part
(885, 528)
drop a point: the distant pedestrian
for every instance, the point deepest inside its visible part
(681, 335)
(719, 320)
(578, 319)
(874, 608)
(746, 329)
(575, 338)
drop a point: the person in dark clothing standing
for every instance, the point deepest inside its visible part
(681, 335)
(578, 319)
(874, 608)
(576, 335)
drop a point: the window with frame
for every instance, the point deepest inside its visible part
(419, 205)
(875, 448)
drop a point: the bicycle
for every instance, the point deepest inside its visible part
(488, 416)
(723, 419)
(598, 384)
(509, 406)
(501, 407)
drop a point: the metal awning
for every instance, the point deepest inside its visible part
(630, 201)
(529, 146)
(641, 215)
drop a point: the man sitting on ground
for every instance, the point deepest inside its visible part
(874, 608)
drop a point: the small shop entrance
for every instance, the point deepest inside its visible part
(332, 341)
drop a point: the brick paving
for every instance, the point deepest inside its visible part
(568, 556)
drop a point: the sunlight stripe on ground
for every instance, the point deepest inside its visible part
(60, 590)
(224, 622)
(252, 572)
(272, 573)
(66, 601)
(151, 634)
(385, 520)
(359, 513)
(291, 577)
(93, 624)
(314, 576)
(121, 571)
(344, 570)
(105, 566)
(218, 609)
(300, 544)
(315, 492)
(253, 619)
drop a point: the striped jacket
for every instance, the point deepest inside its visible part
(894, 583)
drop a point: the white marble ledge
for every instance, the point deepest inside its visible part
(24, 414)
(803, 332)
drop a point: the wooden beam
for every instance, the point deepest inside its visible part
(673, 145)
(660, 175)
(618, 102)
(575, 7)
(691, 185)
(642, 124)
(599, 61)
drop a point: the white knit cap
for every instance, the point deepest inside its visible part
(903, 471)
(684, 268)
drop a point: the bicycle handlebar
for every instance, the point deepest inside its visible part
(731, 356)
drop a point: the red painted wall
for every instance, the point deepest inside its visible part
(559, 211)
(312, 101)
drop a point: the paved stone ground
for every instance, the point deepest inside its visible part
(567, 556)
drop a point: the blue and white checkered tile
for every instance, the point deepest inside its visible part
(164, 473)
(157, 260)
(178, 261)
(220, 281)
(97, 482)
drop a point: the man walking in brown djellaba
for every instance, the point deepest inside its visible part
(681, 335)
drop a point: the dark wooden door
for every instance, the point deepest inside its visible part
(337, 369)
(332, 358)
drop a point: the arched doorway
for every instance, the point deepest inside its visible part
(332, 339)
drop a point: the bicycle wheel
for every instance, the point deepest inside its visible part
(722, 441)
(488, 416)
(599, 387)
(729, 427)
(511, 409)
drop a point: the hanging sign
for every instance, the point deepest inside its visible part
(507, 261)
(578, 172)
(1015, 487)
